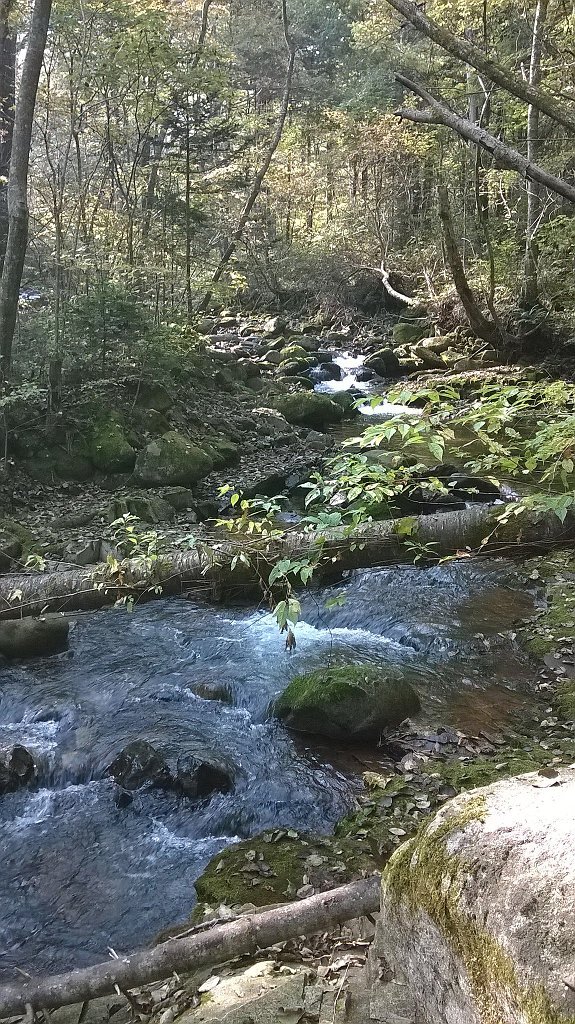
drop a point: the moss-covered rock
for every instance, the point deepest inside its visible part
(180, 498)
(477, 909)
(16, 543)
(409, 331)
(310, 410)
(221, 451)
(293, 367)
(109, 448)
(347, 702)
(294, 352)
(150, 508)
(272, 867)
(172, 459)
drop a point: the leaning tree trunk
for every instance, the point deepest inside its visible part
(530, 288)
(484, 328)
(7, 100)
(245, 935)
(18, 180)
(496, 73)
(475, 529)
(259, 178)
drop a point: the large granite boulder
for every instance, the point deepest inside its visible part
(478, 910)
(171, 460)
(347, 702)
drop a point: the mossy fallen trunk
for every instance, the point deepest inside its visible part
(373, 544)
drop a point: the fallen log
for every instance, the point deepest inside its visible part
(210, 567)
(244, 935)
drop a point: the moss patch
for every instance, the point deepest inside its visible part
(109, 449)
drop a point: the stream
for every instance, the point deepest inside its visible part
(80, 874)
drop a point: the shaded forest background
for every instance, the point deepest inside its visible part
(153, 118)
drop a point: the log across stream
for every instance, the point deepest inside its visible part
(81, 873)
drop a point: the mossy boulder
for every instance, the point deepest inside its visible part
(221, 451)
(171, 460)
(109, 448)
(180, 498)
(309, 409)
(270, 868)
(149, 508)
(293, 367)
(294, 352)
(16, 542)
(352, 703)
(408, 331)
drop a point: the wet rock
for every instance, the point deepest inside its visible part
(213, 691)
(26, 638)
(364, 373)
(327, 371)
(384, 362)
(310, 409)
(197, 777)
(17, 769)
(477, 910)
(348, 703)
(293, 367)
(316, 442)
(172, 459)
(109, 449)
(139, 764)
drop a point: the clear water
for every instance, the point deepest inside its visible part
(78, 874)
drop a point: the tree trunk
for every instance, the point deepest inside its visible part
(504, 156)
(245, 935)
(259, 178)
(530, 288)
(471, 54)
(484, 328)
(209, 570)
(7, 100)
(18, 181)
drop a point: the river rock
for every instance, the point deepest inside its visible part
(196, 777)
(149, 508)
(25, 638)
(477, 911)
(17, 769)
(171, 460)
(347, 703)
(309, 409)
(139, 764)
(384, 362)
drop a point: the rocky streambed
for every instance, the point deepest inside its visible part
(84, 868)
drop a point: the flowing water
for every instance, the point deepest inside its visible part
(80, 874)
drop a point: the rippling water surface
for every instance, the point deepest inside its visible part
(79, 874)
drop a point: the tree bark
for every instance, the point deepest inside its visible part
(530, 287)
(503, 155)
(484, 328)
(18, 181)
(7, 101)
(244, 935)
(205, 570)
(466, 51)
(259, 178)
